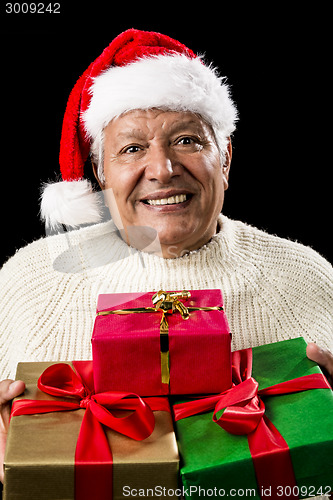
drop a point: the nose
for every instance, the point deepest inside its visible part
(160, 166)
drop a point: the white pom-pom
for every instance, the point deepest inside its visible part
(72, 203)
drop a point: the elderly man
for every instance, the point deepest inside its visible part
(157, 123)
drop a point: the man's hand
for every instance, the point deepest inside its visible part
(324, 359)
(8, 390)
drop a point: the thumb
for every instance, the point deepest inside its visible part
(10, 389)
(321, 356)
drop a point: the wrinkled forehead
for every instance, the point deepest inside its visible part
(147, 124)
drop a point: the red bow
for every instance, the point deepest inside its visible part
(244, 413)
(92, 445)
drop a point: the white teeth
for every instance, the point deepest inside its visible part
(168, 201)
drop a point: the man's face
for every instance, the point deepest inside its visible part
(165, 173)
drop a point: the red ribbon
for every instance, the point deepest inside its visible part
(92, 445)
(244, 413)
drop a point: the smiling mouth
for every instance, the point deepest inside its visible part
(171, 200)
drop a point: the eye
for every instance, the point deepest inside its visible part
(186, 140)
(133, 148)
(188, 144)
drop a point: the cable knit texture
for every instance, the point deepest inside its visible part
(273, 289)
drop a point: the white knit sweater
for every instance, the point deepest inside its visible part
(273, 289)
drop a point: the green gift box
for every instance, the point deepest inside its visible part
(215, 462)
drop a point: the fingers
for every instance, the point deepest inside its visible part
(10, 389)
(321, 356)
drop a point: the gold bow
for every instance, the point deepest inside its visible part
(167, 303)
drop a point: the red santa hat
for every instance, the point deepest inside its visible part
(138, 70)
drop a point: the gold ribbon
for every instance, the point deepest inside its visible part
(167, 303)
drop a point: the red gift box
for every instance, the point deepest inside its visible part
(138, 337)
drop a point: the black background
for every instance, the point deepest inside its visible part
(276, 61)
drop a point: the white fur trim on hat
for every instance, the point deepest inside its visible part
(71, 203)
(173, 82)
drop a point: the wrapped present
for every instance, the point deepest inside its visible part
(270, 435)
(162, 343)
(67, 442)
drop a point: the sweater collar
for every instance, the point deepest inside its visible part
(219, 246)
(102, 244)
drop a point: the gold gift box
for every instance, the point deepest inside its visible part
(39, 460)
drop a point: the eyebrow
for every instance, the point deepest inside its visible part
(129, 133)
(132, 133)
(186, 123)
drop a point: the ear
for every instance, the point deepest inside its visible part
(95, 170)
(226, 165)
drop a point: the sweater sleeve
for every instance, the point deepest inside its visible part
(47, 303)
(16, 312)
(297, 290)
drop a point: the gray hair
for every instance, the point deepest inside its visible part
(97, 155)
